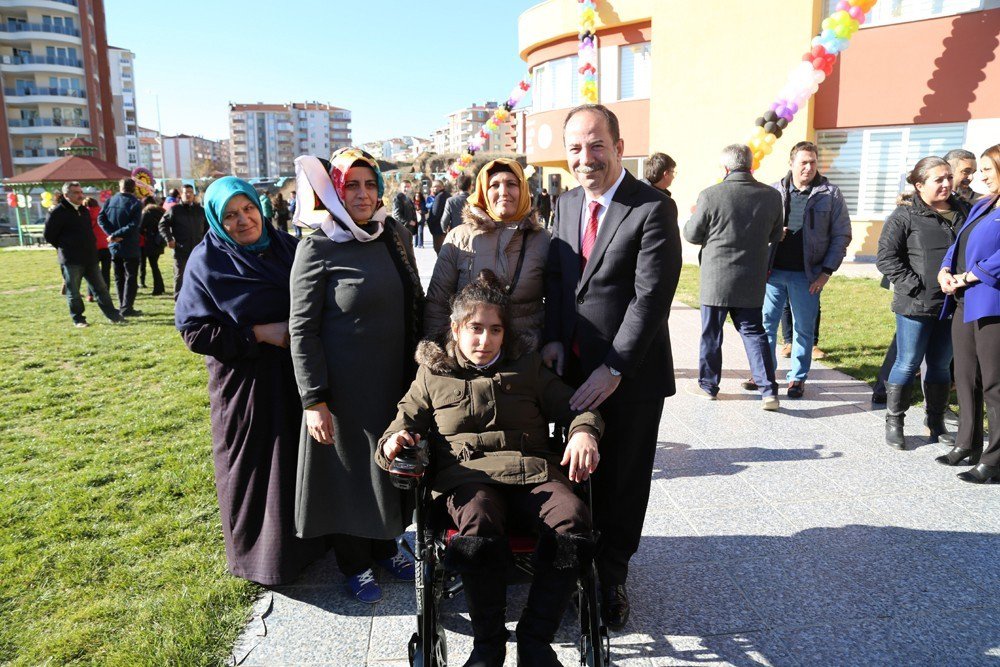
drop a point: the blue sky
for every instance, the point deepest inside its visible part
(398, 66)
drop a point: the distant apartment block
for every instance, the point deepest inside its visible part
(56, 81)
(188, 157)
(120, 62)
(265, 139)
(150, 151)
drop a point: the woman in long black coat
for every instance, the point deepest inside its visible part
(233, 308)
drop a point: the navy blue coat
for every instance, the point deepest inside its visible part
(120, 216)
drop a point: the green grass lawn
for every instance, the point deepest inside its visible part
(857, 325)
(110, 545)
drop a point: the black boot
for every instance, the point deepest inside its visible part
(558, 562)
(897, 402)
(957, 455)
(482, 562)
(935, 403)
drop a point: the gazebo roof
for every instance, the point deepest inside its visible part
(83, 168)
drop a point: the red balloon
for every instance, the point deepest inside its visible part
(818, 51)
(818, 63)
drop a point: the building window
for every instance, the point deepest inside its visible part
(899, 11)
(557, 85)
(635, 69)
(870, 165)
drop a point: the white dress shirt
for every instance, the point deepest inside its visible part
(604, 200)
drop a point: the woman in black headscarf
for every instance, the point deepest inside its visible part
(233, 308)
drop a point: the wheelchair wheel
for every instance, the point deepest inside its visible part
(427, 647)
(595, 648)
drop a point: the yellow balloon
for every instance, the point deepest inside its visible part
(770, 139)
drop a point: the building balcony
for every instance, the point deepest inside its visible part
(46, 125)
(27, 156)
(59, 6)
(30, 63)
(26, 32)
(45, 94)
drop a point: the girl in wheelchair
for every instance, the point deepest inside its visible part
(485, 404)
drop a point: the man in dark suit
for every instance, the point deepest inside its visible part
(613, 266)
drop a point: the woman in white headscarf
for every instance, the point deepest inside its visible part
(354, 324)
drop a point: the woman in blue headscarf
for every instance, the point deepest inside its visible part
(233, 308)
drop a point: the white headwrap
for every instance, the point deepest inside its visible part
(318, 206)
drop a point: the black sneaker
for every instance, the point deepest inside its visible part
(796, 389)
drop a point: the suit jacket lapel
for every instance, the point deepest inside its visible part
(571, 228)
(617, 212)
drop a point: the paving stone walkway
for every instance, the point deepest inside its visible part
(792, 538)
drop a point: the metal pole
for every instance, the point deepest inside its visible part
(163, 152)
(20, 227)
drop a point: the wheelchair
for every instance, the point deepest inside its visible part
(434, 583)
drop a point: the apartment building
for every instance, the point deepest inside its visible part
(121, 66)
(265, 139)
(190, 157)
(465, 124)
(56, 81)
(150, 151)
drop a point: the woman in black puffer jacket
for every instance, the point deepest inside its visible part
(913, 243)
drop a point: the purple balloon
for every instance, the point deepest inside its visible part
(781, 109)
(774, 106)
(788, 115)
(793, 107)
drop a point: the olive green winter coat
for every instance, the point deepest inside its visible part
(490, 425)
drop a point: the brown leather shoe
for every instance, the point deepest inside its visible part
(786, 350)
(818, 353)
(615, 607)
(796, 389)
(749, 385)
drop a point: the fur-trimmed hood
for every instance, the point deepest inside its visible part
(479, 220)
(441, 356)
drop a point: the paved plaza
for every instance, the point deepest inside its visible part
(790, 538)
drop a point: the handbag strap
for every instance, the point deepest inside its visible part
(520, 262)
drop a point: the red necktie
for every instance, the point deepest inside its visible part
(589, 234)
(586, 246)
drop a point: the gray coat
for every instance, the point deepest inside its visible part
(827, 229)
(347, 336)
(453, 208)
(734, 221)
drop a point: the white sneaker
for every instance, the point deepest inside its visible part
(770, 403)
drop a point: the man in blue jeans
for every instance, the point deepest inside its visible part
(68, 229)
(817, 233)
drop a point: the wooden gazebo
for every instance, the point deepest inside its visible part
(79, 164)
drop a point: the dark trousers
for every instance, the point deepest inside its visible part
(180, 261)
(357, 554)
(750, 324)
(127, 282)
(154, 269)
(73, 274)
(786, 323)
(104, 259)
(483, 510)
(621, 482)
(438, 242)
(977, 380)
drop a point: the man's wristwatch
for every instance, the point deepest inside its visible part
(614, 373)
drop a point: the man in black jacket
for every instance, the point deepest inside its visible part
(183, 227)
(436, 213)
(69, 231)
(613, 266)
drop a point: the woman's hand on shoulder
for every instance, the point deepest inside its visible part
(581, 455)
(319, 422)
(397, 442)
(273, 333)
